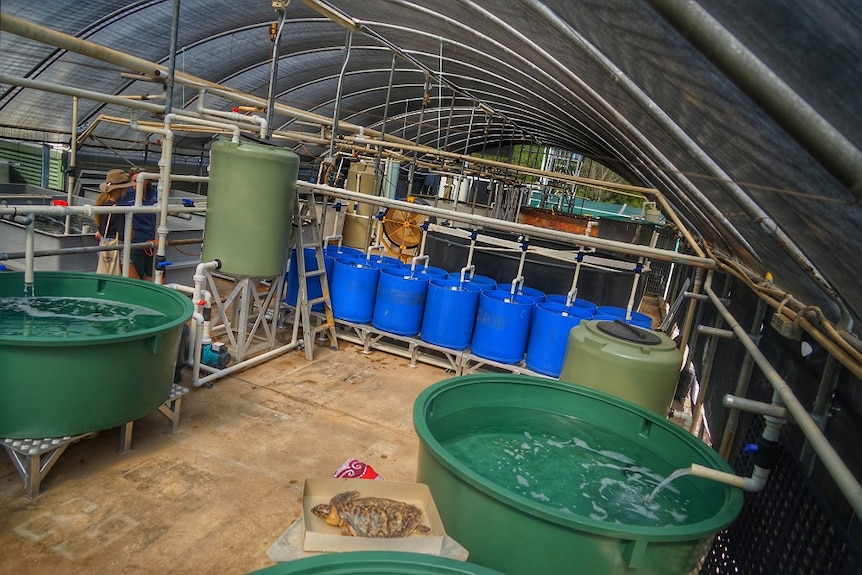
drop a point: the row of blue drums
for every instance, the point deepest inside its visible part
(445, 311)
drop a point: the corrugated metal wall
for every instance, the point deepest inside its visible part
(27, 161)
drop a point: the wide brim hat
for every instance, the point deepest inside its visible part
(115, 179)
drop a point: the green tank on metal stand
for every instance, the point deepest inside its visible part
(252, 191)
(626, 361)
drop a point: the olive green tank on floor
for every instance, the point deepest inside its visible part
(626, 361)
(250, 201)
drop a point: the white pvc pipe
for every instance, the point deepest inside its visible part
(29, 249)
(753, 484)
(253, 118)
(841, 474)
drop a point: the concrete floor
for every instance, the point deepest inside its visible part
(214, 495)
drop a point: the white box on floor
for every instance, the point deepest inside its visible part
(320, 536)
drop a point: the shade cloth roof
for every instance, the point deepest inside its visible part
(744, 114)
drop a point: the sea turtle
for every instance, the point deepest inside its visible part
(371, 516)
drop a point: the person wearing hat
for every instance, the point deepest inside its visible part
(112, 226)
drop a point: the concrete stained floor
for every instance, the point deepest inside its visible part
(215, 494)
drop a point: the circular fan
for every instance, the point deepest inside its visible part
(403, 228)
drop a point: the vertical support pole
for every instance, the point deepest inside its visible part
(71, 172)
(347, 45)
(742, 381)
(377, 176)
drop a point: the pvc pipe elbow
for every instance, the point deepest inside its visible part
(720, 476)
(753, 484)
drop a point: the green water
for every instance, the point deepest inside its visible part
(570, 466)
(67, 317)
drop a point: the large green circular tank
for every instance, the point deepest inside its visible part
(626, 361)
(535, 476)
(376, 563)
(87, 352)
(252, 191)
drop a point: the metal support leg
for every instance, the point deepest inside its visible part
(34, 458)
(170, 409)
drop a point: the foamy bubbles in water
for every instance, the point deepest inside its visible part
(67, 317)
(577, 475)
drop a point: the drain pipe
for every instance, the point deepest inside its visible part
(29, 249)
(765, 454)
(842, 476)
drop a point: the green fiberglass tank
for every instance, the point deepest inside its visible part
(252, 191)
(537, 476)
(636, 364)
(87, 352)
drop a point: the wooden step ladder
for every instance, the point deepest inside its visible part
(305, 218)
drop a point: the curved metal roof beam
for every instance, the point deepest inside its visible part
(19, 27)
(451, 22)
(687, 143)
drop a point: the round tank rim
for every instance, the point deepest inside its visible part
(184, 301)
(446, 283)
(708, 527)
(508, 298)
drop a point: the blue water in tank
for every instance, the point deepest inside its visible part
(314, 289)
(612, 312)
(502, 326)
(450, 313)
(354, 289)
(400, 301)
(549, 335)
(484, 282)
(582, 303)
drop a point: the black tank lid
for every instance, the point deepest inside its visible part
(621, 330)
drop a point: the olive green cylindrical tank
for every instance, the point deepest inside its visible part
(623, 360)
(358, 218)
(250, 201)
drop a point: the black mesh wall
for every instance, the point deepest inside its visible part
(800, 523)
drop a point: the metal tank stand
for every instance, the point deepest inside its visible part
(34, 458)
(305, 233)
(170, 409)
(248, 316)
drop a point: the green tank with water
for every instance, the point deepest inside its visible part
(636, 364)
(250, 202)
(87, 352)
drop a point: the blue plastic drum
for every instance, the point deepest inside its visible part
(450, 313)
(400, 301)
(638, 319)
(332, 253)
(502, 326)
(313, 284)
(354, 289)
(483, 282)
(549, 335)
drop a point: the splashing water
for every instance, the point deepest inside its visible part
(29, 290)
(666, 481)
(570, 466)
(67, 317)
